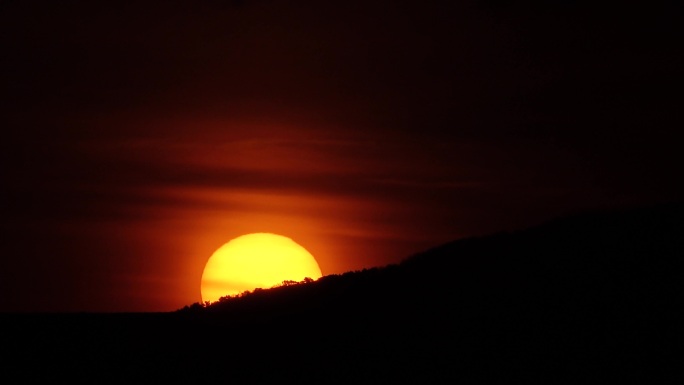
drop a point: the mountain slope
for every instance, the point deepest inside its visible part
(584, 298)
(592, 294)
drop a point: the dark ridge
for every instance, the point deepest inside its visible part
(588, 297)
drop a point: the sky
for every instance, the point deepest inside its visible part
(138, 137)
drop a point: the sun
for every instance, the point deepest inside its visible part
(258, 260)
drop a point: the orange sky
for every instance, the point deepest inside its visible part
(139, 137)
(348, 200)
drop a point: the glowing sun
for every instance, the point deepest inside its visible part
(259, 260)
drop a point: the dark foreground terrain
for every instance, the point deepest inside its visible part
(585, 298)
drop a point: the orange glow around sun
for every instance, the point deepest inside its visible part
(258, 260)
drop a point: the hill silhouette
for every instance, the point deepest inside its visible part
(586, 297)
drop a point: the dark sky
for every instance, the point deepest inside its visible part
(140, 136)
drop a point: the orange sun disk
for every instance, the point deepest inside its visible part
(258, 260)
